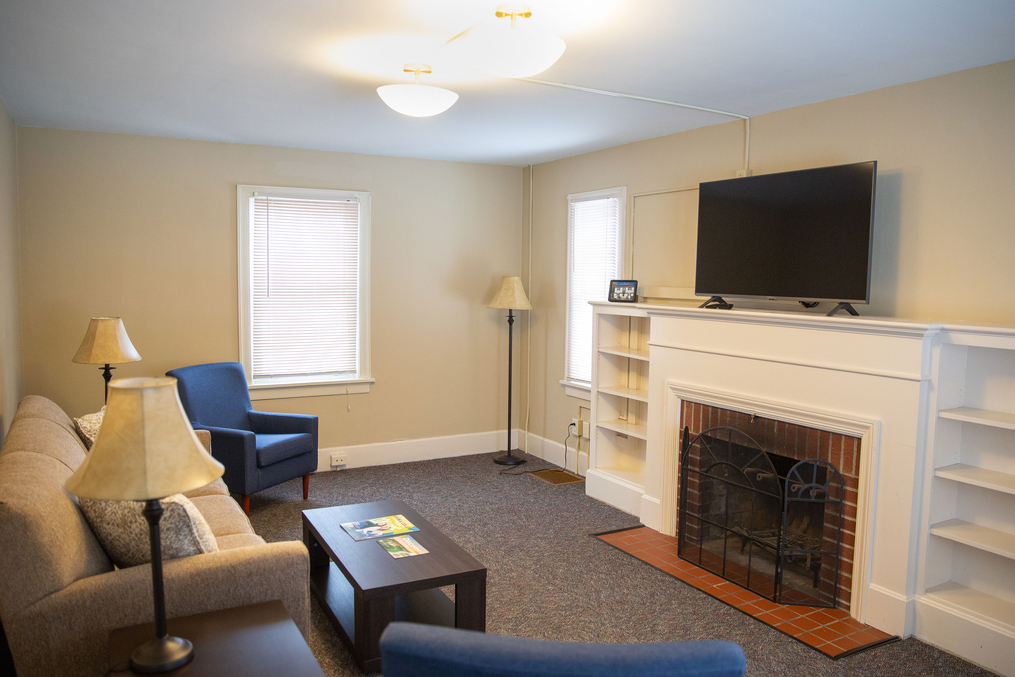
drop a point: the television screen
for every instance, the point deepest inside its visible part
(803, 235)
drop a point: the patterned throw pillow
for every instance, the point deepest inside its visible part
(122, 529)
(88, 427)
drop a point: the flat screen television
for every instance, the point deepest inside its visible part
(803, 235)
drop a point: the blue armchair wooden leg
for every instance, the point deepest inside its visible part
(306, 486)
(245, 502)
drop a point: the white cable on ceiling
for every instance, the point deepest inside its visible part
(605, 92)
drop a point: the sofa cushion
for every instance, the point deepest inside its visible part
(224, 515)
(123, 530)
(54, 547)
(274, 448)
(233, 541)
(216, 488)
(88, 427)
(36, 406)
(45, 438)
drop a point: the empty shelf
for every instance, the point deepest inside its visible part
(976, 536)
(635, 477)
(625, 428)
(975, 601)
(980, 477)
(998, 419)
(633, 353)
(623, 391)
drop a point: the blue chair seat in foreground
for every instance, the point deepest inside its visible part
(412, 650)
(259, 449)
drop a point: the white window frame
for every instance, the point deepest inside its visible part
(573, 388)
(297, 386)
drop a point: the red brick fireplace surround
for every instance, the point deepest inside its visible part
(798, 443)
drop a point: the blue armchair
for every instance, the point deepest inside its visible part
(412, 650)
(258, 449)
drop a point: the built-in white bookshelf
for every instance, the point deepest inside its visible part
(619, 405)
(969, 561)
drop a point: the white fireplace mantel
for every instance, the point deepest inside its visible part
(892, 383)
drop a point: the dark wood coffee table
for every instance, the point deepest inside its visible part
(362, 588)
(252, 640)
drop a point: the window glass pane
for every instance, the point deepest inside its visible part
(305, 286)
(595, 245)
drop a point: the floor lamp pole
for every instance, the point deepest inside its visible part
(509, 458)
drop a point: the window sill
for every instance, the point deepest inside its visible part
(280, 391)
(583, 391)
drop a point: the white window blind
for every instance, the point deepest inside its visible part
(595, 244)
(305, 287)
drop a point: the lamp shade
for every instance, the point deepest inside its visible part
(106, 342)
(146, 448)
(418, 101)
(511, 295)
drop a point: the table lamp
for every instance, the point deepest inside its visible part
(511, 295)
(147, 450)
(106, 343)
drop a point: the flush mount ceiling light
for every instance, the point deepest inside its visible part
(512, 47)
(416, 100)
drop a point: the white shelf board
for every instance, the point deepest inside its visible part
(997, 419)
(625, 428)
(980, 477)
(635, 477)
(633, 353)
(623, 391)
(977, 602)
(976, 536)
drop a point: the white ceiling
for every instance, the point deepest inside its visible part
(297, 72)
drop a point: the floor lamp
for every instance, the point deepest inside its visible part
(511, 296)
(146, 450)
(106, 343)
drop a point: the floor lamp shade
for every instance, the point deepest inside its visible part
(106, 342)
(147, 450)
(511, 295)
(146, 447)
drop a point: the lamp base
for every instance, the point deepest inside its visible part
(512, 457)
(161, 655)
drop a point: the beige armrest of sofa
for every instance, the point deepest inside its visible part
(89, 608)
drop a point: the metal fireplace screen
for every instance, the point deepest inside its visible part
(778, 535)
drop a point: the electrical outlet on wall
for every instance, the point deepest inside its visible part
(337, 460)
(585, 429)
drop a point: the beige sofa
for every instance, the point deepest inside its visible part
(59, 593)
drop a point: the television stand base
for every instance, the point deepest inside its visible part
(843, 306)
(716, 302)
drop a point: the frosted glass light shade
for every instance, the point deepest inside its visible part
(518, 52)
(146, 447)
(418, 101)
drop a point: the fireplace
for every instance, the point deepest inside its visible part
(768, 505)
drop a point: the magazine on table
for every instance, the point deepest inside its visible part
(402, 546)
(378, 527)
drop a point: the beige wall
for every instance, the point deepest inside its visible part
(145, 228)
(10, 307)
(945, 214)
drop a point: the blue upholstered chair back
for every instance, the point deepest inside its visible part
(411, 650)
(215, 394)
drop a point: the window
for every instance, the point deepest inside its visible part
(595, 244)
(304, 291)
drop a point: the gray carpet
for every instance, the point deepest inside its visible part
(549, 579)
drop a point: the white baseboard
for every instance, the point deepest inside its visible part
(424, 449)
(889, 611)
(977, 639)
(651, 513)
(552, 451)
